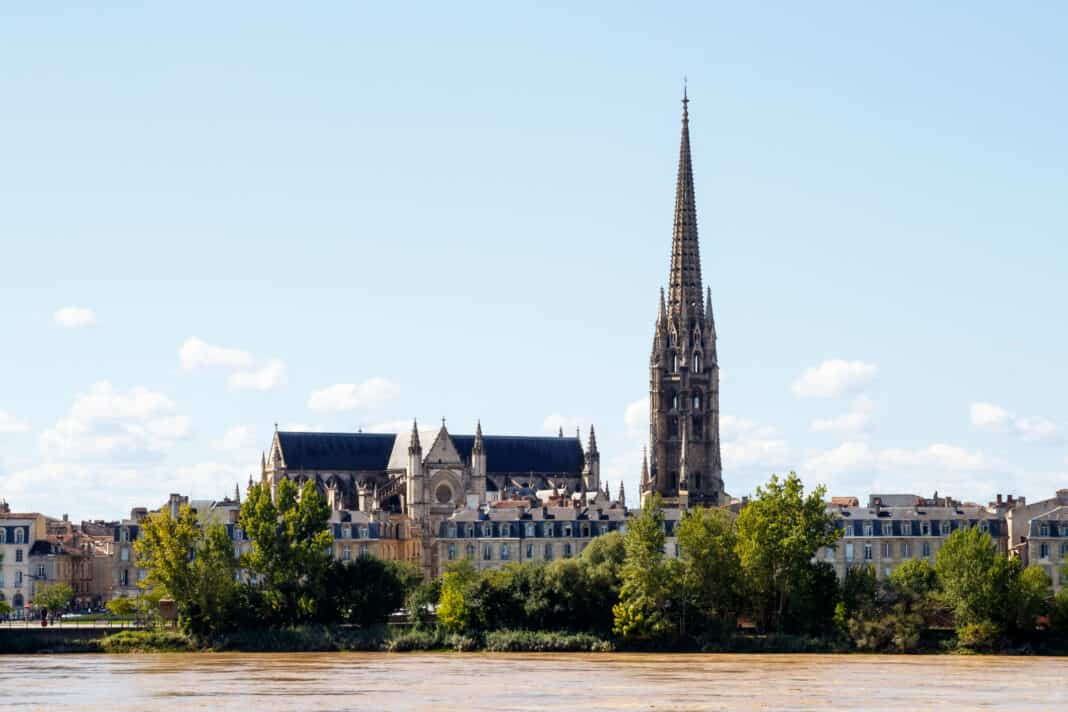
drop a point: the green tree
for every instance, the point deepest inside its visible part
(779, 532)
(711, 571)
(290, 548)
(860, 589)
(362, 592)
(195, 567)
(976, 579)
(645, 593)
(54, 598)
(121, 607)
(457, 589)
(1033, 598)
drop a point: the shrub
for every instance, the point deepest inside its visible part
(146, 641)
(526, 641)
(415, 640)
(979, 637)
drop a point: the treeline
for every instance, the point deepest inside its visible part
(746, 581)
(288, 578)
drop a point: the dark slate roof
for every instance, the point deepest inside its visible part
(336, 451)
(512, 453)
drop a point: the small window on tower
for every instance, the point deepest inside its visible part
(674, 401)
(674, 362)
(697, 362)
(697, 400)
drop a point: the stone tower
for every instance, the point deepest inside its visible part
(684, 465)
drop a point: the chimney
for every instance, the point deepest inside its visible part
(1010, 499)
(999, 499)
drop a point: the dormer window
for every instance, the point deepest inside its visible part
(20, 536)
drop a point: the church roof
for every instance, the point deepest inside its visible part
(336, 451)
(514, 453)
(378, 451)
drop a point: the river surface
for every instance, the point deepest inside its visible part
(377, 681)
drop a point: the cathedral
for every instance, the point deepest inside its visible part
(429, 497)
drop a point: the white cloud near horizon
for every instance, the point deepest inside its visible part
(856, 420)
(1035, 430)
(74, 317)
(856, 455)
(111, 425)
(636, 418)
(266, 378)
(11, 424)
(340, 397)
(745, 444)
(833, 378)
(239, 437)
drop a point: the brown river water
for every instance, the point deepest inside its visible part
(375, 681)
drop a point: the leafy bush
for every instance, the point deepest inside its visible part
(526, 641)
(979, 637)
(415, 640)
(896, 631)
(146, 641)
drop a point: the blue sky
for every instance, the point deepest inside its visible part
(348, 215)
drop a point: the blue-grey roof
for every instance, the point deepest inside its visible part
(336, 451)
(512, 453)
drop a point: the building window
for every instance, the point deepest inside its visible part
(867, 552)
(674, 362)
(452, 552)
(40, 571)
(886, 550)
(548, 552)
(945, 528)
(530, 530)
(505, 553)
(567, 531)
(849, 551)
(530, 551)
(124, 554)
(20, 536)
(926, 549)
(470, 531)
(696, 361)
(983, 526)
(18, 578)
(346, 532)
(18, 554)
(567, 550)
(364, 532)
(1043, 530)
(346, 553)
(470, 551)
(124, 535)
(906, 550)
(1064, 552)
(487, 552)
(674, 400)
(849, 530)
(124, 577)
(3, 535)
(452, 531)
(697, 400)
(868, 530)
(925, 529)
(1043, 550)
(586, 531)
(364, 551)
(828, 554)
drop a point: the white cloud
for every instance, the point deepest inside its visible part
(854, 455)
(11, 424)
(372, 393)
(857, 420)
(553, 423)
(746, 444)
(268, 377)
(833, 378)
(195, 353)
(73, 317)
(110, 425)
(636, 418)
(239, 437)
(210, 480)
(1029, 429)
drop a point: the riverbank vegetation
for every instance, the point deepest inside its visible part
(739, 583)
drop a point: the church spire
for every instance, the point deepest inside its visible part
(413, 443)
(685, 282)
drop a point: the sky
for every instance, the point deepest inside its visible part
(215, 217)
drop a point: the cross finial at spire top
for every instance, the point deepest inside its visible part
(685, 97)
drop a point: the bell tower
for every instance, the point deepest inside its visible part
(684, 455)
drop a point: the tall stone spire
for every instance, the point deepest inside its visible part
(684, 286)
(684, 465)
(413, 443)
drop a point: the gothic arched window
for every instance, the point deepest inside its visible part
(696, 361)
(674, 362)
(674, 400)
(697, 400)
